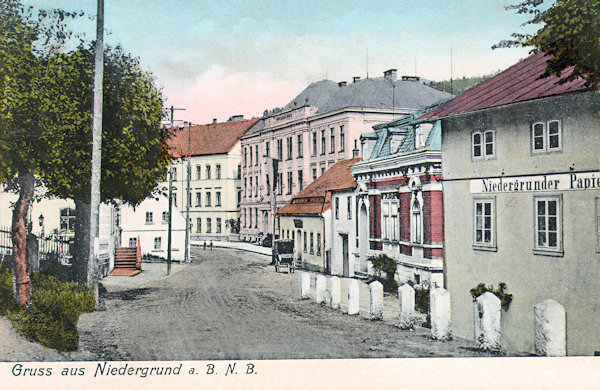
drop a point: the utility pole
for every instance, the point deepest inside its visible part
(188, 200)
(170, 221)
(92, 272)
(171, 113)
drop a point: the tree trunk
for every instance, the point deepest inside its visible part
(22, 287)
(81, 244)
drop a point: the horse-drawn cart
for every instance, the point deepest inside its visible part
(283, 254)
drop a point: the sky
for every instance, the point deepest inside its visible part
(222, 58)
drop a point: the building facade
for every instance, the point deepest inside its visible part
(206, 174)
(149, 223)
(399, 202)
(320, 127)
(307, 218)
(522, 202)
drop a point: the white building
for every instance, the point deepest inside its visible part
(206, 160)
(149, 221)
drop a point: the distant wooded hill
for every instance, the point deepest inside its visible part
(459, 85)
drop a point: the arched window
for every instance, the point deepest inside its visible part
(416, 222)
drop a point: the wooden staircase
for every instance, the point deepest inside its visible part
(128, 260)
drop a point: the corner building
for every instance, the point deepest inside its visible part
(318, 128)
(522, 201)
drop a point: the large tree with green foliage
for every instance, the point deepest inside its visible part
(570, 33)
(45, 122)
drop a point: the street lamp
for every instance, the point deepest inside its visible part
(169, 229)
(41, 221)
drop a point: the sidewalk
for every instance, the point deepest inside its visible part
(244, 246)
(150, 273)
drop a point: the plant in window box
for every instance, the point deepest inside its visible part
(505, 298)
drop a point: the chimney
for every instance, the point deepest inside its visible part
(214, 120)
(355, 79)
(342, 83)
(355, 150)
(390, 74)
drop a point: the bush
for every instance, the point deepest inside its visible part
(505, 299)
(52, 318)
(422, 300)
(386, 264)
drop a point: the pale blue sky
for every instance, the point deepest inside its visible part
(221, 58)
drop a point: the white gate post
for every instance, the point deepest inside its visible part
(320, 288)
(406, 306)
(376, 300)
(550, 328)
(335, 291)
(440, 312)
(487, 315)
(304, 283)
(353, 296)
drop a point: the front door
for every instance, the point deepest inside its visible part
(345, 260)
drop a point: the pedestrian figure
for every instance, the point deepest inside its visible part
(211, 246)
(204, 245)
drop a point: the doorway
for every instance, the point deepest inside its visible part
(345, 258)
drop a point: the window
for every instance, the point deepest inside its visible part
(157, 243)
(198, 225)
(314, 143)
(280, 183)
(244, 217)
(174, 170)
(165, 217)
(239, 171)
(548, 224)
(208, 172)
(218, 229)
(239, 197)
(149, 217)
(255, 218)
(245, 188)
(314, 174)
(250, 162)
(300, 146)
(251, 187)
(198, 199)
(268, 149)
(389, 211)
(483, 144)
(484, 220)
(256, 188)
(208, 225)
(132, 241)
(546, 137)
(304, 242)
(349, 208)
(280, 149)
(300, 182)
(322, 141)
(289, 182)
(198, 172)
(67, 220)
(245, 157)
(218, 171)
(208, 200)
(332, 135)
(318, 244)
(416, 222)
(322, 170)
(288, 144)
(312, 245)
(337, 208)
(218, 199)
(268, 182)
(174, 199)
(342, 139)
(256, 155)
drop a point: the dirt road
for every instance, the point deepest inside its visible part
(231, 305)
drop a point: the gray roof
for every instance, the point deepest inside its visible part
(328, 96)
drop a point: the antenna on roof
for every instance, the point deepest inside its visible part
(451, 71)
(415, 62)
(367, 60)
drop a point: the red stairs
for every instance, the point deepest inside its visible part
(128, 260)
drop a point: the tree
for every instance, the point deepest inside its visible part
(45, 121)
(570, 35)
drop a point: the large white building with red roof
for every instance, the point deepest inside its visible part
(521, 188)
(206, 176)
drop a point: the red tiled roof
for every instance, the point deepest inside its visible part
(213, 138)
(316, 198)
(519, 83)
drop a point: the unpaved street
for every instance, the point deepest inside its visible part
(231, 305)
